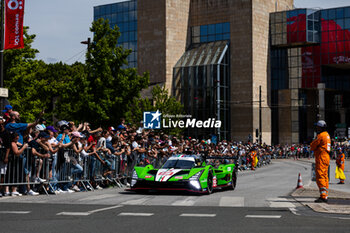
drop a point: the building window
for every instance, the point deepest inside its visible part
(210, 33)
(123, 15)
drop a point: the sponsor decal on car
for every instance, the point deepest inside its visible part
(215, 182)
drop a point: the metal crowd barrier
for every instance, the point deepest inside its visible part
(63, 167)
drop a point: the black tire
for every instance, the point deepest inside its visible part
(210, 182)
(234, 179)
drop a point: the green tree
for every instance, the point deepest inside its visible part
(166, 104)
(19, 77)
(111, 89)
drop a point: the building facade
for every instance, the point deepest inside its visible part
(256, 65)
(310, 72)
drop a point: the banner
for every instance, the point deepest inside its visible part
(14, 11)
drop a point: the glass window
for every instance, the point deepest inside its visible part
(132, 5)
(132, 36)
(121, 27)
(317, 15)
(131, 26)
(204, 30)
(347, 12)
(204, 39)
(218, 37)
(211, 29)
(219, 28)
(133, 46)
(119, 17)
(340, 13)
(113, 8)
(132, 15)
(102, 10)
(331, 14)
(324, 14)
(108, 9)
(97, 11)
(211, 38)
(310, 36)
(226, 27)
(340, 23)
(126, 16)
(301, 11)
(119, 7)
(347, 23)
(124, 6)
(226, 36)
(310, 25)
(316, 25)
(114, 18)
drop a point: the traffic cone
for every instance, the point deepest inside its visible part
(300, 182)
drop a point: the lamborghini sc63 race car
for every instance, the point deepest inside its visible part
(186, 173)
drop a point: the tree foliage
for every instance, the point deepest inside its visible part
(110, 88)
(166, 104)
(99, 91)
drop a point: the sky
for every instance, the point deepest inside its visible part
(60, 25)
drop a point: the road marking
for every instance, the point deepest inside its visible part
(140, 201)
(294, 211)
(198, 215)
(232, 201)
(104, 209)
(136, 214)
(263, 216)
(98, 197)
(187, 202)
(280, 203)
(74, 213)
(88, 212)
(15, 212)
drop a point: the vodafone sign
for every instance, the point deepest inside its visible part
(14, 11)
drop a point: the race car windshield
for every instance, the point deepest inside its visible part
(179, 164)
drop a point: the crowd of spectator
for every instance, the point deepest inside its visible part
(27, 149)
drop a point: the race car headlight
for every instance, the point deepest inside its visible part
(196, 176)
(195, 184)
(134, 178)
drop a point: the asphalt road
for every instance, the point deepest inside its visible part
(260, 203)
(93, 218)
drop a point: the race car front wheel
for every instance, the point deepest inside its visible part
(234, 179)
(210, 182)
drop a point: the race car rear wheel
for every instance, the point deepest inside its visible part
(210, 182)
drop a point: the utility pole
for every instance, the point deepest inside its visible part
(260, 118)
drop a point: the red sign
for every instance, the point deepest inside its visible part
(14, 11)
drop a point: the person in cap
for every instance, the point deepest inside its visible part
(8, 109)
(340, 163)
(321, 147)
(19, 128)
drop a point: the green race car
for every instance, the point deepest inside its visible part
(186, 173)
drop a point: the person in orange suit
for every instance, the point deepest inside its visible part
(253, 156)
(321, 147)
(340, 162)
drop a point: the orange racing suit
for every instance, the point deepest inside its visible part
(321, 147)
(252, 156)
(340, 163)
